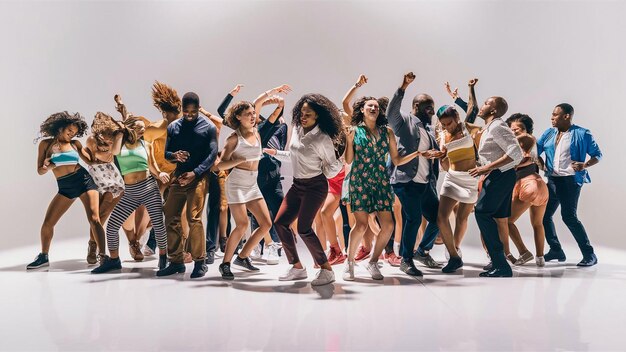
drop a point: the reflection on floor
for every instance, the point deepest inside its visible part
(560, 307)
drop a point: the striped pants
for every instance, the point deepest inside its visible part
(146, 193)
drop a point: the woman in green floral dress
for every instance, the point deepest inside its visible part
(369, 142)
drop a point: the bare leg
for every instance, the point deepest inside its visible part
(460, 227)
(320, 230)
(91, 201)
(397, 213)
(445, 230)
(356, 234)
(503, 232)
(328, 219)
(259, 210)
(536, 220)
(386, 228)
(58, 206)
(518, 208)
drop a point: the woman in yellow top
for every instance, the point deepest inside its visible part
(459, 187)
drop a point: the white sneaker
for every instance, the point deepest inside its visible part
(458, 250)
(147, 251)
(323, 277)
(293, 274)
(396, 247)
(272, 253)
(540, 262)
(256, 253)
(348, 271)
(374, 271)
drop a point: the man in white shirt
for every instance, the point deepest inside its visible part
(498, 154)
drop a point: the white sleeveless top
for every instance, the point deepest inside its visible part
(247, 151)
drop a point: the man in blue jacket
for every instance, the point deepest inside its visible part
(566, 147)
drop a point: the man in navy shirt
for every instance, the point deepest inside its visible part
(192, 145)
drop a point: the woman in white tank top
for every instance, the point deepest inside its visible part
(242, 153)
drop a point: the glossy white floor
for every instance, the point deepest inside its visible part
(560, 307)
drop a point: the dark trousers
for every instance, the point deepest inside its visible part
(346, 224)
(303, 200)
(564, 191)
(417, 199)
(273, 195)
(212, 213)
(494, 201)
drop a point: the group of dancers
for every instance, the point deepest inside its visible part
(368, 171)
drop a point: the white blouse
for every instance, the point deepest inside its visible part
(311, 154)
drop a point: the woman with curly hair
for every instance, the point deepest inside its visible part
(60, 152)
(105, 133)
(317, 128)
(369, 142)
(530, 192)
(242, 153)
(137, 165)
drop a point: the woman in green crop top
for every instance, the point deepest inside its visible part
(60, 152)
(137, 165)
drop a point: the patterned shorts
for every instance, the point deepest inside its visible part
(108, 178)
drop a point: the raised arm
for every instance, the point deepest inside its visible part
(394, 115)
(217, 121)
(259, 102)
(120, 107)
(221, 110)
(472, 107)
(396, 159)
(347, 99)
(268, 127)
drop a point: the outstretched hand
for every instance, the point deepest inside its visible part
(453, 93)
(236, 90)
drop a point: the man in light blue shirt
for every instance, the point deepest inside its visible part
(566, 147)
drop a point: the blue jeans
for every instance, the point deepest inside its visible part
(564, 191)
(417, 199)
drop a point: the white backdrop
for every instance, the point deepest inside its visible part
(76, 55)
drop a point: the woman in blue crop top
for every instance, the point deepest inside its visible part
(60, 152)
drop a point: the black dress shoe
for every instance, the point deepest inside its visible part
(162, 261)
(488, 267)
(453, 264)
(210, 257)
(199, 269)
(173, 268)
(108, 264)
(498, 272)
(408, 267)
(552, 255)
(225, 271)
(245, 263)
(588, 260)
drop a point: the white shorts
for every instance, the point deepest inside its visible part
(108, 178)
(242, 187)
(460, 186)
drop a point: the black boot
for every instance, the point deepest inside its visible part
(453, 264)
(210, 257)
(245, 263)
(173, 268)
(555, 254)
(199, 269)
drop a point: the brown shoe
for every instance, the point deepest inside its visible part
(92, 258)
(135, 251)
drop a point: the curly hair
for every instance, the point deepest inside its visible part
(328, 115)
(358, 116)
(523, 119)
(236, 110)
(56, 122)
(165, 98)
(103, 126)
(130, 136)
